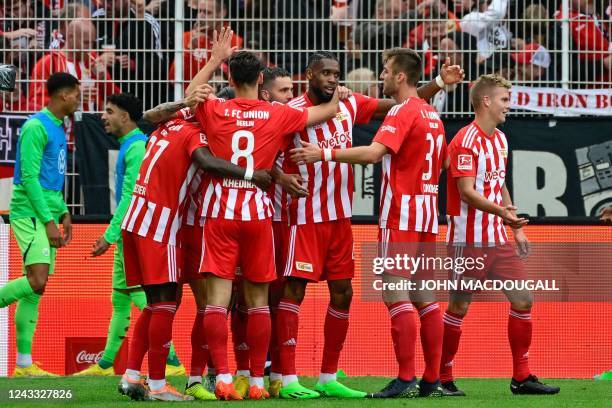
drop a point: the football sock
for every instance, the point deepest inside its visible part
(199, 354)
(215, 321)
(139, 298)
(287, 330)
(334, 330)
(239, 337)
(450, 344)
(15, 290)
(140, 341)
(432, 332)
(26, 317)
(118, 327)
(519, 335)
(403, 333)
(160, 337)
(275, 367)
(258, 339)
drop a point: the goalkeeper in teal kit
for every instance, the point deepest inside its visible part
(122, 111)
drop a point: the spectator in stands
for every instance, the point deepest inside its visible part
(70, 12)
(142, 69)
(427, 35)
(531, 64)
(363, 81)
(27, 25)
(197, 42)
(591, 38)
(76, 59)
(487, 25)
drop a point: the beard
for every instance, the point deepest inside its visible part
(321, 95)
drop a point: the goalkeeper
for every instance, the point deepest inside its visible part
(120, 117)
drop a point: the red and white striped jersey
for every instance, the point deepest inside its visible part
(280, 198)
(249, 133)
(330, 184)
(166, 175)
(474, 154)
(414, 135)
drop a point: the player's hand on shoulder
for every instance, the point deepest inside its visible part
(451, 74)
(308, 153)
(200, 94)
(262, 178)
(292, 183)
(100, 247)
(523, 245)
(344, 93)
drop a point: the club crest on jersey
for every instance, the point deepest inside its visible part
(341, 116)
(464, 162)
(303, 266)
(503, 152)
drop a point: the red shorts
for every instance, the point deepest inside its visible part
(321, 251)
(414, 244)
(191, 248)
(281, 238)
(232, 243)
(489, 263)
(148, 262)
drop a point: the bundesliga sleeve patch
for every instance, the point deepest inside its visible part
(464, 162)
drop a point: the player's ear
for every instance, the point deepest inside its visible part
(265, 95)
(308, 73)
(260, 78)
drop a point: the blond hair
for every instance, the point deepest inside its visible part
(483, 86)
(359, 80)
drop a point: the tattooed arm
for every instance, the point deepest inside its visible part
(167, 111)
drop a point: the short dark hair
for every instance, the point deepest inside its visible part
(227, 93)
(270, 74)
(245, 67)
(60, 80)
(407, 61)
(318, 56)
(129, 103)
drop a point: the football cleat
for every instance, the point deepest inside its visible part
(398, 388)
(95, 370)
(136, 390)
(227, 392)
(450, 390)
(33, 370)
(337, 390)
(168, 393)
(531, 385)
(197, 391)
(274, 388)
(258, 393)
(427, 389)
(241, 384)
(295, 390)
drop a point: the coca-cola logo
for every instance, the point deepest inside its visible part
(90, 358)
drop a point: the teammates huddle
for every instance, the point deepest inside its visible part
(250, 198)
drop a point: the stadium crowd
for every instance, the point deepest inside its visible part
(130, 44)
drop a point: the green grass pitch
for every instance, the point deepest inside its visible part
(102, 393)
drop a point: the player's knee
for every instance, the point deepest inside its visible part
(341, 294)
(295, 290)
(458, 308)
(38, 281)
(523, 304)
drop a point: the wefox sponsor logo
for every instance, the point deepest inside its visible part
(338, 139)
(494, 175)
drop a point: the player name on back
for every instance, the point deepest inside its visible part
(234, 183)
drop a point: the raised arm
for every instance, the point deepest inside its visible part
(221, 50)
(449, 75)
(168, 110)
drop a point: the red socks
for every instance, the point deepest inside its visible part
(215, 321)
(335, 329)
(199, 350)
(258, 338)
(432, 332)
(519, 335)
(403, 333)
(239, 337)
(160, 338)
(450, 344)
(140, 341)
(287, 328)
(274, 350)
